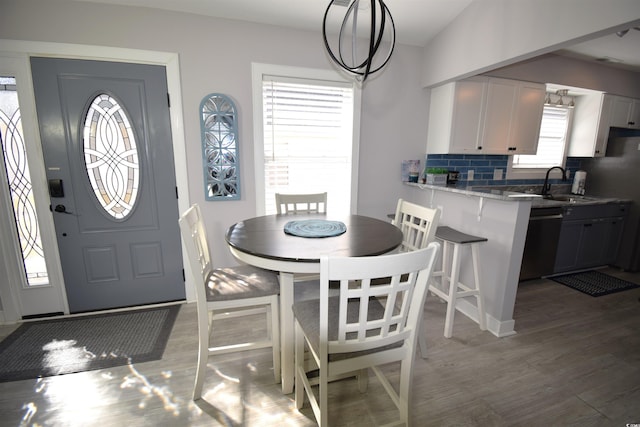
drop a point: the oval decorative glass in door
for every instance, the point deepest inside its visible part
(111, 156)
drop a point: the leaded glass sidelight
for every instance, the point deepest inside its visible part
(19, 179)
(218, 121)
(111, 156)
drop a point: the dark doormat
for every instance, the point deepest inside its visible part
(76, 344)
(594, 283)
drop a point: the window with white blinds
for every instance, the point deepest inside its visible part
(552, 141)
(308, 139)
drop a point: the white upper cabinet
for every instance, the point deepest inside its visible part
(625, 112)
(590, 129)
(485, 116)
(594, 116)
(455, 116)
(499, 118)
(527, 118)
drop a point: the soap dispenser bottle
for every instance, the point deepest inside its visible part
(579, 180)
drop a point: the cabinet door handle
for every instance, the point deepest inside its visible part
(480, 147)
(588, 225)
(543, 217)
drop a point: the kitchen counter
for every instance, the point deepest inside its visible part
(573, 200)
(509, 193)
(496, 194)
(502, 216)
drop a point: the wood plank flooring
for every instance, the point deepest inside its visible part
(574, 361)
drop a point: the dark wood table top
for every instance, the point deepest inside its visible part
(264, 237)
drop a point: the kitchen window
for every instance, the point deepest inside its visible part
(305, 136)
(552, 145)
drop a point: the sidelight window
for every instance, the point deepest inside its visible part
(20, 185)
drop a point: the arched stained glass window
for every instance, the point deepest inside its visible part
(218, 121)
(111, 156)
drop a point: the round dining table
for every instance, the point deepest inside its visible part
(263, 242)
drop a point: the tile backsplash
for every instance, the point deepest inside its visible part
(484, 168)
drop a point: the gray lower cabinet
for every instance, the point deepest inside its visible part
(590, 236)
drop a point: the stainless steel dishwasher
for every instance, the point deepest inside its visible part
(541, 244)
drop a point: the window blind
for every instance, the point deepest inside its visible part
(308, 134)
(552, 140)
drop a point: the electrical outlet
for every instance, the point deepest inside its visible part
(497, 174)
(470, 175)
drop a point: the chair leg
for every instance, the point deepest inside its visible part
(422, 340)
(453, 290)
(444, 274)
(203, 354)
(323, 395)
(299, 366)
(482, 317)
(404, 397)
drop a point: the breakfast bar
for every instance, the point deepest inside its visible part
(501, 217)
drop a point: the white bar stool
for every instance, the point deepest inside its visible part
(450, 286)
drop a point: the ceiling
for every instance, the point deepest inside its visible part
(416, 21)
(612, 50)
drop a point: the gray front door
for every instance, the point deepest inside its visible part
(107, 147)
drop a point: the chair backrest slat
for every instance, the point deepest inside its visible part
(417, 223)
(301, 203)
(381, 297)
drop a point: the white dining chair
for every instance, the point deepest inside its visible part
(364, 327)
(291, 204)
(418, 225)
(226, 293)
(301, 203)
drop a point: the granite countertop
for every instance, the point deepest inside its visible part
(560, 197)
(489, 193)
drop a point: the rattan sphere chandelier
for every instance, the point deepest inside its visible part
(359, 46)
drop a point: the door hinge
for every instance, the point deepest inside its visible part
(177, 192)
(184, 279)
(168, 100)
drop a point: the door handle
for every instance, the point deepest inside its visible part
(62, 209)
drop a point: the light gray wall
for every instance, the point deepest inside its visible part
(216, 56)
(561, 70)
(494, 33)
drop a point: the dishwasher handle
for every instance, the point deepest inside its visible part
(545, 217)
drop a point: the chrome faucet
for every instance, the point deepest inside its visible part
(546, 187)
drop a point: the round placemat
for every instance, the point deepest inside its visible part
(315, 228)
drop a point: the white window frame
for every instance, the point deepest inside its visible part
(539, 173)
(259, 70)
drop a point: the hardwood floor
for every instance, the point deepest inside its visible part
(574, 361)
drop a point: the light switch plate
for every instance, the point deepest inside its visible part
(470, 175)
(497, 174)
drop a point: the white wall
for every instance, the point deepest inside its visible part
(494, 33)
(566, 71)
(216, 56)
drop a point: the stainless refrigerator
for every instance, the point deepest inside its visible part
(618, 175)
